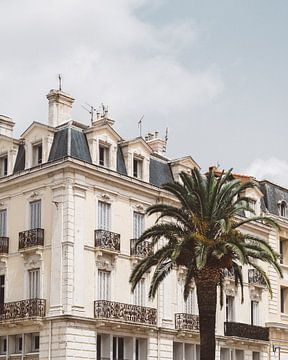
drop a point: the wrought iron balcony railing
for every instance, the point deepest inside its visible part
(141, 250)
(23, 309)
(246, 331)
(188, 322)
(4, 245)
(112, 310)
(107, 240)
(31, 238)
(255, 278)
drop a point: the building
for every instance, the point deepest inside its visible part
(72, 202)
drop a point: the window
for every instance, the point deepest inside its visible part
(37, 154)
(283, 208)
(2, 289)
(103, 285)
(3, 165)
(229, 308)
(103, 155)
(34, 283)
(3, 222)
(138, 224)
(35, 344)
(189, 303)
(118, 348)
(139, 293)
(35, 214)
(283, 299)
(255, 355)
(3, 345)
(98, 347)
(254, 313)
(104, 216)
(137, 167)
(18, 344)
(252, 204)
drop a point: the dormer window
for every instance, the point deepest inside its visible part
(137, 167)
(3, 165)
(252, 204)
(37, 154)
(103, 155)
(283, 209)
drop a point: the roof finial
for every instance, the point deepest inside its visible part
(60, 82)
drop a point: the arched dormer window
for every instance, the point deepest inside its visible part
(283, 208)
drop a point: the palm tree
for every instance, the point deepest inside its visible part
(203, 236)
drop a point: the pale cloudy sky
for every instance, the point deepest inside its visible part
(214, 72)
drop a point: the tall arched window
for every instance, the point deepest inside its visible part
(283, 208)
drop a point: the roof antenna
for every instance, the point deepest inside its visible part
(166, 140)
(60, 82)
(90, 110)
(140, 125)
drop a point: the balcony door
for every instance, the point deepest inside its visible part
(104, 216)
(35, 214)
(118, 348)
(103, 285)
(3, 222)
(138, 224)
(34, 283)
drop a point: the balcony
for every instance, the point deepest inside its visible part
(111, 310)
(246, 331)
(142, 250)
(186, 322)
(23, 309)
(255, 278)
(107, 240)
(31, 238)
(4, 245)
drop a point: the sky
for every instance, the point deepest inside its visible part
(213, 72)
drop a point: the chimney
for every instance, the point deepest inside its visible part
(6, 126)
(158, 145)
(60, 105)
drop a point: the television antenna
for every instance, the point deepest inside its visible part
(60, 82)
(91, 110)
(140, 125)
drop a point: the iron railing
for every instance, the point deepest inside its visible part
(254, 277)
(184, 321)
(125, 312)
(4, 245)
(23, 309)
(109, 240)
(246, 331)
(142, 250)
(30, 238)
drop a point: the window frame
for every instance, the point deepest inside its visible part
(35, 219)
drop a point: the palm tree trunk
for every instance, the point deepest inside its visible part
(207, 300)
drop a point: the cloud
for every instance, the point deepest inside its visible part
(106, 53)
(273, 169)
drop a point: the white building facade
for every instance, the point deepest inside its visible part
(72, 202)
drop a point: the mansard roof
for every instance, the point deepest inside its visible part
(273, 196)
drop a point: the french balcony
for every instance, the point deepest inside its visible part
(187, 322)
(246, 331)
(255, 278)
(4, 245)
(111, 310)
(141, 250)
(23, 309)
(31, 238)
(107, 240)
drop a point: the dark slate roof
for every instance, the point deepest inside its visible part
(121, 168)
(70, 142)
(79, 146)
(20, 159)
(273, 195)
(160, 172)
(59, 145)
